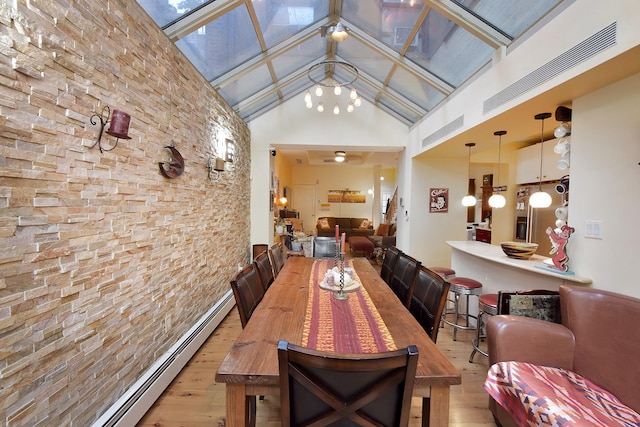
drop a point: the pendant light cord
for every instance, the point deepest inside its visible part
(541, 150)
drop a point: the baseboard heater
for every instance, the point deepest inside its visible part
(132, 406)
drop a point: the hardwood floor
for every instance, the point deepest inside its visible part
(194, 399)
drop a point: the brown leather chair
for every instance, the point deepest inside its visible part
(388, 263)
(276, 256)
(263, 264)
(428, 298)
(318, 388)
(404, 273)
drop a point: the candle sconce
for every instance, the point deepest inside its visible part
(217, 167)
(119, 126)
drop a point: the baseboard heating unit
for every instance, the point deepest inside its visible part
(132, 406)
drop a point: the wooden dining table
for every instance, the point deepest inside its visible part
(250, 368)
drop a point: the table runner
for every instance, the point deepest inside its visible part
(342, 326)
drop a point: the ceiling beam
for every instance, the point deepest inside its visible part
(200, 17)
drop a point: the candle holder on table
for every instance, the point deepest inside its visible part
(341, 294)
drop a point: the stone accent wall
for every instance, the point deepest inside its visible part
(104, 263)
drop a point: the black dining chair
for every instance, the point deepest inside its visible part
(276, 255)
(321, 389)
(388, 263)
(263, 264)
(404, 273)
(428, 298)
(323, 247)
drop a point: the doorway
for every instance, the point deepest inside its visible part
(303, 200)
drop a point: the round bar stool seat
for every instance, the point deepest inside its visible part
(487, 305)
(462, 286)
(445, 272)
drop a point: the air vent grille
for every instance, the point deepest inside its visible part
(593, 45)
(443, 131)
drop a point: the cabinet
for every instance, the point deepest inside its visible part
(483, 235)
(528, 163)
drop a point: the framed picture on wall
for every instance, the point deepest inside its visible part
(438, 200)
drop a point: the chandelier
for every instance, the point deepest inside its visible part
(337, 75)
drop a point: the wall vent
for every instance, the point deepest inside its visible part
(443, 131)
(584, 50)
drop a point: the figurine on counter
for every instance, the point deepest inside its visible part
(559, 242)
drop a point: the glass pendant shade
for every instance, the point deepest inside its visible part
(318, 90)
(337, 90)
(336, 110)
(497, 201)
(468, 200)
(540, 199)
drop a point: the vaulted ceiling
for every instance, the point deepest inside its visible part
(409, 54)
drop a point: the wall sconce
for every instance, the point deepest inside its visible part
(119, 126)
(230, 151)
(217, 167)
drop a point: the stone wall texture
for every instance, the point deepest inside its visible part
(104, 262)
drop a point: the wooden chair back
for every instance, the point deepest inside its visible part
(391, 255)
(263, 264)
(276, 255)
(404, 273)
(248, 292)
(320, 389)
(428, 298)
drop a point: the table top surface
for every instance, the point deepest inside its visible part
(253, 358)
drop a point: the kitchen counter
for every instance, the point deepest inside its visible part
(490, 266)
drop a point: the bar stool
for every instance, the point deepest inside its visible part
(487, 305)
(462, 286)
(445, 272)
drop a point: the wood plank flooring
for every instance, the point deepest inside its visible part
(194, 399)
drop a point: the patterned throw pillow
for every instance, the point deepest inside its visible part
(383, 230)
(323, 223)
(365, 224)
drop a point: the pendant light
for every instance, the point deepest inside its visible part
(497, 200)
(469, 199)
(540, 199)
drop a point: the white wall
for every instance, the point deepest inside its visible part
(293, 124)
(605, 185)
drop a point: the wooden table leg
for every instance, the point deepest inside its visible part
(437, 412)
(236, 405)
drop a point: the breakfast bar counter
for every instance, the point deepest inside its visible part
(489, 265)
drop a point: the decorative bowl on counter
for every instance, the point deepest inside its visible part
(519, 250)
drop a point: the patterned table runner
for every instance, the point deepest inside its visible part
(342, 326)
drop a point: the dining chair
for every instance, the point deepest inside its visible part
(428, 298)
(319, 389)
(265, 270)
(248, 292)
(404, 273)
(276, 255)
(323, 247)
(390, 257)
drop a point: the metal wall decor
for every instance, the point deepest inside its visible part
(175, 166)
(119, 126)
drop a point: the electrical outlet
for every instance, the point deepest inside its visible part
(593, 229)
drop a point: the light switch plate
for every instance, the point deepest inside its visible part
(593, 229)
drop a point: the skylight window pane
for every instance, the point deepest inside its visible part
(224, 44)
(414, 89)
(247, 85)
(300, 56)
(281, 19)
(383, 21)
(166, 11)
(513, 17)
(365, 58)
(448, 50)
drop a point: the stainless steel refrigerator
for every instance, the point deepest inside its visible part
(531, 223)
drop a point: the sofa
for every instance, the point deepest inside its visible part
(385, 236)
(583, 371)
(326, 226)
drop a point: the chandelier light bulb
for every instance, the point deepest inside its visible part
(309, 104)
(318, 90)
(337, 90)
(336, 110)
(357, 102)
(307, 97)
(353, 94)
(497, 201)
(350, 107)
(320, 107)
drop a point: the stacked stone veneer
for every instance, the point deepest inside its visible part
(104, 263)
